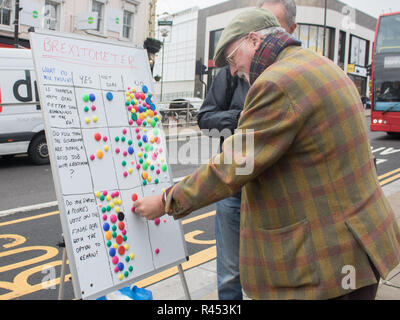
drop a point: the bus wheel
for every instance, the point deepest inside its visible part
(38, 151)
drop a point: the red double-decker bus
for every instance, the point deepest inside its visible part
(385, 72)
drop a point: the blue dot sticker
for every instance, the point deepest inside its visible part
(145, 139)
(92, 97)
(120, 266)
(109, 96)
(112, 252)
(106, 227)
(130, 150)
(145, 89)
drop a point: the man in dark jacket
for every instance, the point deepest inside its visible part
(220, 112)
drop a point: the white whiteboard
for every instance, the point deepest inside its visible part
(107, 148)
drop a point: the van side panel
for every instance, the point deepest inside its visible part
(20, 122)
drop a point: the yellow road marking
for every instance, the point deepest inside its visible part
(387, 174)
(50, 253)
(39, 216)
(17, 240)
(189, 237)
(390, 179)
(195, 260)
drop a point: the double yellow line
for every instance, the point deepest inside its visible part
(389, 177)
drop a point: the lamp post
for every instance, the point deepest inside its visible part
(165, 30)
(323, 46)
(164, 34)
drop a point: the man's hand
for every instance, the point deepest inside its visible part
(150, 207)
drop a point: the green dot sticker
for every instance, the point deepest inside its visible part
(164, 167)
(116, 139)
(86, 109)
(124, 163)
(35, 14)
(90, 20)
(85, 97)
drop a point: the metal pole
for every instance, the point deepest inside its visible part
(323, 46)
(184, 283)
(16, 24)
(162, 69)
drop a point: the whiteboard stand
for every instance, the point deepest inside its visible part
(64, 266)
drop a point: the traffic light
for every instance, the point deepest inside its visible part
(200, 67)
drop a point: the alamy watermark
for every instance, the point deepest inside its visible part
(238, 149)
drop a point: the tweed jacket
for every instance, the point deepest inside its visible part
(312, 207)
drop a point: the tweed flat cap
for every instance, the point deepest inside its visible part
(245, 22)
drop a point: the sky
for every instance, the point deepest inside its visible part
(371, 7)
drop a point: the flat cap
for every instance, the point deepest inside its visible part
(245, 22)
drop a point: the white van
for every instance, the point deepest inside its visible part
(21, 124)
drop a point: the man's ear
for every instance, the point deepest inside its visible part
(255, 40)
(293, 28)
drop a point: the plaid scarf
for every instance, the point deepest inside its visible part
(269, 49)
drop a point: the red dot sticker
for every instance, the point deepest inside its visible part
(121, 250)
(119, 239)
(121, 225)
(134, 197)
(97, 136)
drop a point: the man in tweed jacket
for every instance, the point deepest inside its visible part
(312, 207)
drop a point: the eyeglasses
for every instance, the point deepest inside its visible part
(231, 57)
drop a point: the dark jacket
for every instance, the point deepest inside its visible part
(223, 104)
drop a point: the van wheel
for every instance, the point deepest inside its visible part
(38, 151)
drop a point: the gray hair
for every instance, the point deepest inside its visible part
(270, 31)
(290, 9)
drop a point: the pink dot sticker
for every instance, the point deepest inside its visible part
(105, 139)
(157, 251)
(130, 121)
(124, 131)
(113, 218)
(117, 150)
(139, 122)
(104, 217)
(92, 157)
(157, 221)
(93, 108)
(115, 260)
(125, 174)
(137, 130)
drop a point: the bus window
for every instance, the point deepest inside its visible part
(387, 96)
(388, 37)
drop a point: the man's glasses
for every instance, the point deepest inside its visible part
(231, 57)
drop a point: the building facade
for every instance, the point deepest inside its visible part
(349, 35)
(123, 20)
(175, 64)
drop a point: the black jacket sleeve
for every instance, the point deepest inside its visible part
(215, 113)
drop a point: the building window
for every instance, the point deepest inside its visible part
(127, 25)
(5, 12)
(52, 15)
(342, 49)
(98, 7)
(359, 51)
(312, 37)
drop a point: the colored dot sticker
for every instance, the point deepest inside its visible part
(92, 97)
(109, 96)
(157, 251)
(97, 136)
(134, 197)
(99, 154)
(157, 221)
(86, 98)
(112, 252)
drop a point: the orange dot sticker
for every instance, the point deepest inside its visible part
(99, 154)
(145, 175)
